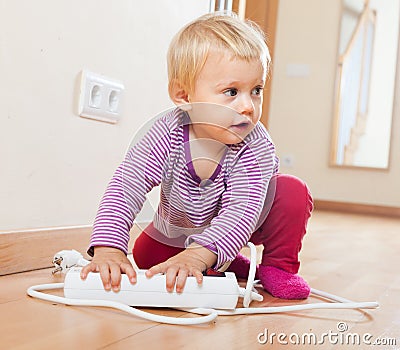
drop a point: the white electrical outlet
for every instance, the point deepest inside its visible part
(100, 97)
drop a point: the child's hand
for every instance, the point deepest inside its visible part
(110, 262)
(191, 262)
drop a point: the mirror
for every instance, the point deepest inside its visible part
(365, 83)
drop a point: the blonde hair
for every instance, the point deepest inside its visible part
(189, 48)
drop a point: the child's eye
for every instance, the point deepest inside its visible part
(231, 92)
(257, 90)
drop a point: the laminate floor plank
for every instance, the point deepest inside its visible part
(354, 256)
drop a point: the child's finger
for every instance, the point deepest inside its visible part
(154, 270)
(170, 278)
(104, 270)
(115, 277)
(91, 267)
(129, 271)
(199, 276)
(181, 280)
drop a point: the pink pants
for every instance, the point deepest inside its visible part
(281, 233)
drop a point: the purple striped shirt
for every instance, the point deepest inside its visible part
(219, 213)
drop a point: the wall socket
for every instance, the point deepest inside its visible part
(287, 161)
(100, 97)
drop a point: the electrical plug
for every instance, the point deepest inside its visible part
(65, 259)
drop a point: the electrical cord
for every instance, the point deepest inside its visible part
(64, 260)
(35, 291)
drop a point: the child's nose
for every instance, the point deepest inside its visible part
(246, 106)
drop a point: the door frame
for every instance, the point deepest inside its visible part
(265, 14)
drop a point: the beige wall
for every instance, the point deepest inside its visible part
(55, 165)
(302, 108)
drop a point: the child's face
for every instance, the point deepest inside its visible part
(231, 94)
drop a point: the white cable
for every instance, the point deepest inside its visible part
(287, 308)
(254, 295)
(34, 291)
(330, 296)
(211, 314)
(248, 294)
(247, 298)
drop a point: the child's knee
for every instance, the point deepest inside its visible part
(294, 194)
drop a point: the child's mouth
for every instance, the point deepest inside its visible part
(240, 126)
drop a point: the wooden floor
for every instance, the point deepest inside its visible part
(354, 256)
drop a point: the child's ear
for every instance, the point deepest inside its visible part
(178, 93)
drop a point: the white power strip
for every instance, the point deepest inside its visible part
(215, 296)
(216, 292)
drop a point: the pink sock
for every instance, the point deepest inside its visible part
(282, 284)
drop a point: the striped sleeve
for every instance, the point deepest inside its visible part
(126, 192)
(242, 202)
